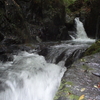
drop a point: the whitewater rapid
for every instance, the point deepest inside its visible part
(81, 35)
(29, 77)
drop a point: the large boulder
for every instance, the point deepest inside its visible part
(81, 80)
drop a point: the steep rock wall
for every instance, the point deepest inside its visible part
(92, 22)
(26, 19)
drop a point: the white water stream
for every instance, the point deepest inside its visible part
(29, 77)
(80, 32)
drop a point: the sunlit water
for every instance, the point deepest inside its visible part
(29, 77)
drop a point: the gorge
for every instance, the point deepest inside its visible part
(30, 77)
(49, 50)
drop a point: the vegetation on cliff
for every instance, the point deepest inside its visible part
(94, 48)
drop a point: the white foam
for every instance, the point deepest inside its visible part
(81, 35)
(84, 40)
(31, 78)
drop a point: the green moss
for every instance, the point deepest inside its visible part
(95, 48)
(69, 83)
(86, 68)
(73, 97)
(68, 2)
(65, 91)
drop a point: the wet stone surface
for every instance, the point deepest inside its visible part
(82, 80)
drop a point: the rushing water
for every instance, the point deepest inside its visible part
(80, 32)
(68, 51)
(80, 29)
(60, 53)
(29, 77)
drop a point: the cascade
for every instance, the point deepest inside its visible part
(80, 32)
(69, 50)
(29, 77)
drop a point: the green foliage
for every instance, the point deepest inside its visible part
(73, 97)
(86, 0)
(95, 48)
(67, 3)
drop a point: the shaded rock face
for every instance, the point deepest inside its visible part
(1, 37)
(92, 22)
(76, 6)
(12, 23)
(26, 19)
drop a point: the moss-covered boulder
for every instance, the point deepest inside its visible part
(94, 48)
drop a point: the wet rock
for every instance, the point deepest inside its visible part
(26, 47)
(77, 54)
(60, 57)
(6, 57)
(6, 51)
(79, 81)
(43, 52)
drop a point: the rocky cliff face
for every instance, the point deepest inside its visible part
(12, 22)
(26, 19)
(92, 23)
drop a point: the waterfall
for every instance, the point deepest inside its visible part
(29, 77)
(65, 53)
(80, 32)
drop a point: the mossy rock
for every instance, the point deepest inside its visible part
(65, 91)
(94, 48)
